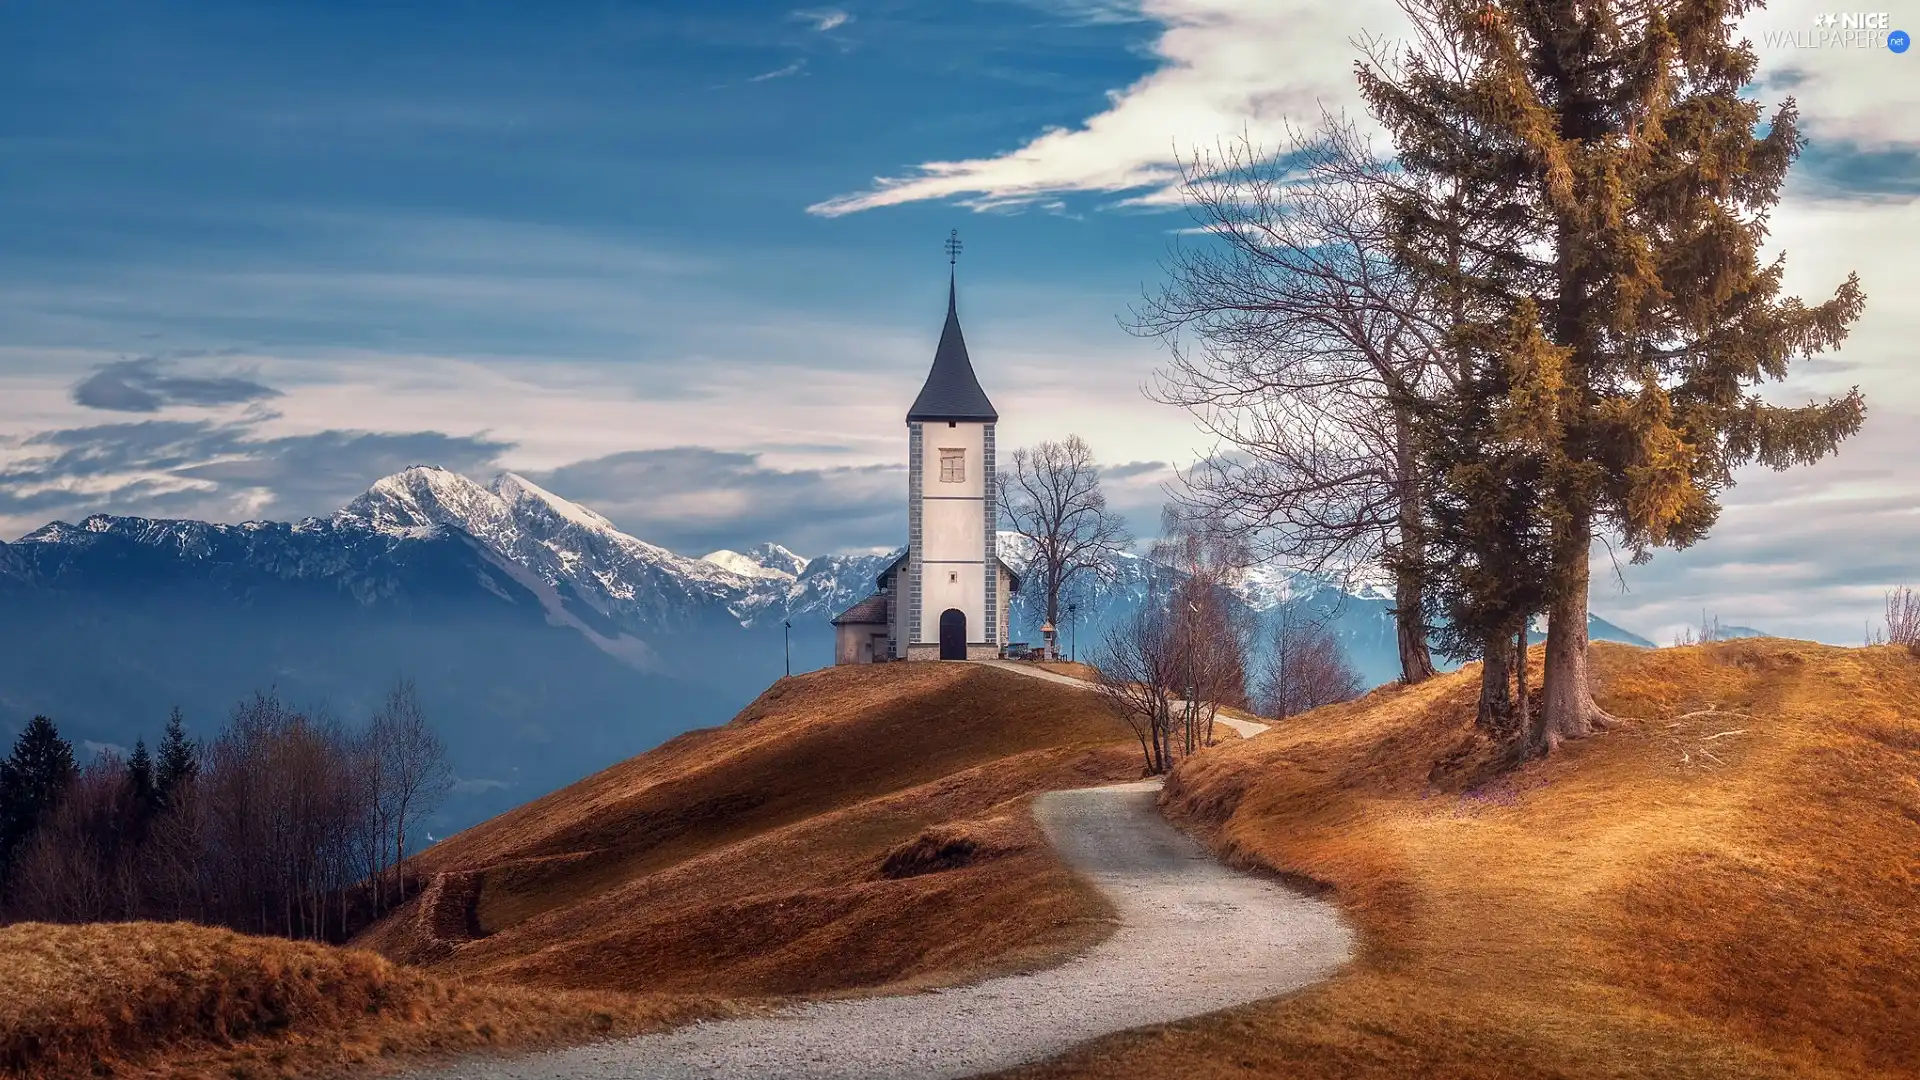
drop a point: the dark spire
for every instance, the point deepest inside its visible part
(951, 391)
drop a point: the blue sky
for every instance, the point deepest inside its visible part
(681, 261)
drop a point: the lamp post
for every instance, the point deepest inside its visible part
(786, 638)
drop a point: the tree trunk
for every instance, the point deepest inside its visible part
(1416, 660)
(1567, 709)
(1522, 721)
(1055, 582)
(1163, 747)
(1495, 712)
(1409, 586)
(400, 855)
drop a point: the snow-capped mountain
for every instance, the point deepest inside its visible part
(762, 560)
(744, 565)
(112, 622)
(645, 586)
(660, 597)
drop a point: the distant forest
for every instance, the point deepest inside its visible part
(286, 822)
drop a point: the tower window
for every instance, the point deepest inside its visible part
(953, 577)
(953, 423)
(953, 465)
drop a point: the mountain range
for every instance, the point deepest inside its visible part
(544, 641)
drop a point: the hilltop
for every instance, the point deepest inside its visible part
(853, 828)
(1724, 886)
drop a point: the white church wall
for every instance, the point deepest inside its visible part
(953, 585)
(1006, 601)
(947, 434)
(952, 530)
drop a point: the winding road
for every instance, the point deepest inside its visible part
(1194, 937)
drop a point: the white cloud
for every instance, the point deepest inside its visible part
(794, 68)
(824, 19)
(1228, 66)
(1091, 12)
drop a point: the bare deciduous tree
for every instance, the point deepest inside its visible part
(1903, 618)
(285, 823)
(1310, 347)
(413, 772)
(1052, 497)
(72, 870)
(1307, 668)
(1137, 669)
(1710, 631)
(1209, 627)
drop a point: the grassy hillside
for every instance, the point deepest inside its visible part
(176, 1000)
(1726, 886)
(789, 852)
(854, 828)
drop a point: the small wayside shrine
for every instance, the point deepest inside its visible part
(946, 596)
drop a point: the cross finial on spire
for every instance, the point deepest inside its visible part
(953, 256)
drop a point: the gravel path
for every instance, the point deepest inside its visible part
(1194, 937)
(1247, 728)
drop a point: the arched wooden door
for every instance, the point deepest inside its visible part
(953, 634)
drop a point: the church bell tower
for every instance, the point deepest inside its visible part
(955, 585)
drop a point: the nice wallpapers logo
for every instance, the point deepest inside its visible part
(1843, 30)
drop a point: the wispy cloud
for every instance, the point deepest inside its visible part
(1130, 469)
(794, 68)
(1226, 66)
(216, 471)
(695, 499)
(144, 385)
(1091, 12)
(823, 19)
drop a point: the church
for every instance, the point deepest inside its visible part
(946, 596)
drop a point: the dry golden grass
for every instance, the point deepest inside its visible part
(1725, 887)
(853, 829)
(185, 1001)
(1070, 668)
(754, 859)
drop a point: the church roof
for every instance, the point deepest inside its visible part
(868, 612)
(1013, 577)
(951, 391)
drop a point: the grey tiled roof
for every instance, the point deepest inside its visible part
(895, 565)
(871, 611)
(881, 581)
(951, 391)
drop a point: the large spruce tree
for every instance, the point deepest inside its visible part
(179, 761)
(1613, 137)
